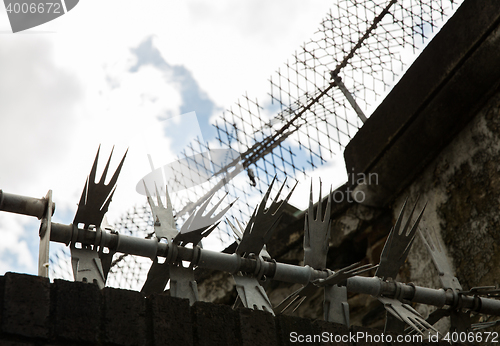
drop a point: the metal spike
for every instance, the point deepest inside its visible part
(297, 298)
(158, 276)
(316, 235)
(236, 233)
(194, 237)
(164, 218)
(198, 221)
(406, 314)
(199, 226)
(448, 280)
(96, 197)
(261, 225)
(397, 246)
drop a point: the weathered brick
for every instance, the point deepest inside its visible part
(257, 328)
(124, 321)
(171, 320)
(26, 305)
(76, 311)
(15, 343)
(215, 324)
(291, 329)
(331, 333)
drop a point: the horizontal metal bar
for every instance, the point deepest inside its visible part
(298, 274)
(23, 205)
(233, 263)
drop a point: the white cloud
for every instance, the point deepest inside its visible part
(64, 93)
(16, 247)
(37, 100)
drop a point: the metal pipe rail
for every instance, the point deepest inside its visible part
(233, 263)
(24, 205)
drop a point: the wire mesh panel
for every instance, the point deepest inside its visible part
(314, 107)
(131, 271)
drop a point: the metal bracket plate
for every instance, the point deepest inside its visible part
(183, 284)
(252, 294)
(87, 266)
(45, 227)
(335, 306)
(157, 278)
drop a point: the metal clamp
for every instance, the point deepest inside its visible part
(196, 256)
(172, 252)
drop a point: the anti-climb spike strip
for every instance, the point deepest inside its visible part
(87, 260)
(96, 197)
(249, 268)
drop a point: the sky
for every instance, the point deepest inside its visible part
(115, 74)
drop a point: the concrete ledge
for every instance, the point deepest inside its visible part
(435, 99)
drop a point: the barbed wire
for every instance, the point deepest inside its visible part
(303, 122)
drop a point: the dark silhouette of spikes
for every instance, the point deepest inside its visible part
(262, 223)
(96, 197)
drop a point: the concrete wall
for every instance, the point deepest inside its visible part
(462, 190)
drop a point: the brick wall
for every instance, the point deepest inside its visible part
(36, 312)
